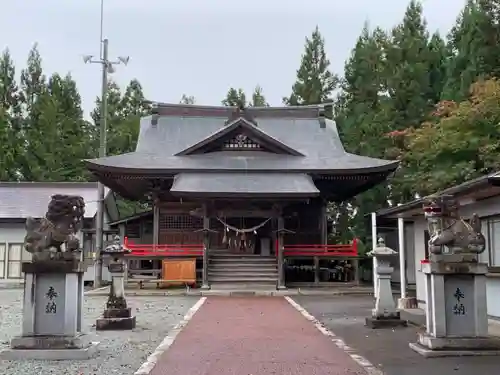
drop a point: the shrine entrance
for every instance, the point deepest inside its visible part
(246, 235)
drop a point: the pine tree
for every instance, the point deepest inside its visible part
(235, 97)
(360, 113)
(10, 120)
(37, 130)
(408, 79)
(360, 105)
(258, 98)
(75, 135)
(473, 44)
(315, 82)
(437, 60)
(185, 99)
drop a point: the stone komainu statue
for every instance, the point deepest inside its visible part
(64, 218)
(447, 228)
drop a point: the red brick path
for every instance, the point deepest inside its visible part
(252, 336)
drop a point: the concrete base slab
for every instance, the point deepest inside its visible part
(115, 324)
(430, 353)
(50, 354)
(375, 323)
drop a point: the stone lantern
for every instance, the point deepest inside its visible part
(385, 313)
(116, 316)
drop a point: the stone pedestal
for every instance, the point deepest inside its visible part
(52, 313)
(385, 313)
(116, 316)
(456, 312)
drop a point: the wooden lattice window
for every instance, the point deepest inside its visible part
(241, 141)
(180, 222)
(133, 230)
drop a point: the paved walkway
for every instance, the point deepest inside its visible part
(253, 336)
(387, 348)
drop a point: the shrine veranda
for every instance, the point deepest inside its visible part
(252, 181)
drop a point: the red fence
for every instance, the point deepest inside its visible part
(165, 250)
(350, 250)
(196, 250)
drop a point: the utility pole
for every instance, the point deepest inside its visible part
(107, 68)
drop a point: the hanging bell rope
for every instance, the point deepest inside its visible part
(243, 230)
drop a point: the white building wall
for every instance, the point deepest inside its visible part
(12, 253)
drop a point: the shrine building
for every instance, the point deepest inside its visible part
(241, 192)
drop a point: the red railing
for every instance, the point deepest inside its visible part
(166, 250)
(350, 250)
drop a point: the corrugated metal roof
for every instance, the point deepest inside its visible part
(18, 200)
(241, 184)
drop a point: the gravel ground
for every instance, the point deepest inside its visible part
(120, 352)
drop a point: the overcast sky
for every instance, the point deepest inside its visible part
(197, 47)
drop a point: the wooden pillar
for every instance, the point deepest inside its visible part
(281, 233)
(206, 244)
(324, 239)
(156, 222)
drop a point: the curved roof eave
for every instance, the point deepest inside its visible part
(94, 166)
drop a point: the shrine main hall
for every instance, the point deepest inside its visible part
(240, 193)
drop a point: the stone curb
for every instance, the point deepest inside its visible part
(239, 293)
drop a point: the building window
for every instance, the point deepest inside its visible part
(491, 231)
(3, 252)
(14, 263)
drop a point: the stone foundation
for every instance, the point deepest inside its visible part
(386, 322)
(50, 348)
(430, 346)
(116, 319)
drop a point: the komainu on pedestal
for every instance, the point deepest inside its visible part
(53, 287)
(456, 311)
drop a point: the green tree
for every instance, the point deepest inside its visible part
(235, 97)
(185, 99)
(258, 98)
(408, 79)
(315, 82)
(37, 130)
(461, 142)
(10, 120)
(473, 44)
(362, 119)
(74, 135)
(123, 117)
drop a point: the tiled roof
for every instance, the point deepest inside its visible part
(18, 200)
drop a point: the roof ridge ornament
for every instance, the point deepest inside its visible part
(240, 112)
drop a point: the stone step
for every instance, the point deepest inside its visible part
(242, 267)
(243, 279)
(243, 274)
(243, 286)
(252, 258)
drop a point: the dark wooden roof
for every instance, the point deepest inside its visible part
(186, 138)
(300, 129)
